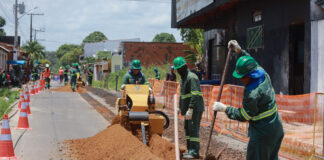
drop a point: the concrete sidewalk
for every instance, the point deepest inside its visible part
(56, 116)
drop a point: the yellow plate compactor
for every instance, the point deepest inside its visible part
(137, 111)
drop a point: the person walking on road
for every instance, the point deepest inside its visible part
(90, 76)
(134, 75)
(157, 74)
(65, 73)
(47, 75)
(73, 74)
(61, 73)
(171, 76)
(191, 106)
(35, 73)
(259, 108)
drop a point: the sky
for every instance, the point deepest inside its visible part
(70, 21)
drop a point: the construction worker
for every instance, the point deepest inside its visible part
(134, 75)
(65, 73)
(191, 106)
(61, 73)
(47, 75)
(73, 74)
(198, 71)
(259, 108)
(90, 76)
(171, 76)
(35, 73)
(157, 74)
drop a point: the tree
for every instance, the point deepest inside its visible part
(95, 36)
(2, 23)
(45, 61)
(71, 57)
(33, 50)
(51, 56)
(195, 39)
(65, 48)
(164, 37)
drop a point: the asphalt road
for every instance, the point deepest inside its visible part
(56, 116)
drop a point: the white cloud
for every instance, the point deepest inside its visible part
(69, 21)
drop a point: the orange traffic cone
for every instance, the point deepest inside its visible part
(23, 118)
(36, 87)
(21, 93)
(26, 103)
(32, 92)
(27, 92)
(6, 146)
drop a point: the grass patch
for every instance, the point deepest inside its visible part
(7, 97)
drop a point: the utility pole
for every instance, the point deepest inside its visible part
(31, 24)
(16, 31)
(37, 30)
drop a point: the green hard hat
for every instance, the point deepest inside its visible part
(76, 64)
(244, 66)
(155, 69)
(90, 67)
(179, 62)
(136, 64)
(67, 66)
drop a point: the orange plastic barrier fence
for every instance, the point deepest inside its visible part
(302, 116)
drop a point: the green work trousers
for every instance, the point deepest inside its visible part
(191, 128)
(73, 83)
(90, 80)
(264, 148)
(66, 79)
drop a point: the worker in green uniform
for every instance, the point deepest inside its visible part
(65, 74)
(259, 108)
(73, 74)
(191, 106)
(157, 74)
(90, 76)
(134, 75)
(35, 73)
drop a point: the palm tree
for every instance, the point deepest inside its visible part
(196, 44)
(33, 50)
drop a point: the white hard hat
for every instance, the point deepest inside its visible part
(47, 65)
(60, 67)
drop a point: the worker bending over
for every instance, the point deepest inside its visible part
(259, 108)
(191, 106)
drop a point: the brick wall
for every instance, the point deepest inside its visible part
(151, 53)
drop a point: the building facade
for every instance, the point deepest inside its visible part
(284, 36)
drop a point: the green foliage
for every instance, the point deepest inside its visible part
(164, 37)
(45, 61)
(65, 48)
(95, 36)
(7, 97)
(34, 50)
(2, 23)
(104, 54)
(71, 57)
(90, 60)
(195, 39)
(51, 57)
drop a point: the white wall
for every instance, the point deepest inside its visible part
(317, 56)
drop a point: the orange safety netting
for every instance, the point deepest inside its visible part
(302, 116)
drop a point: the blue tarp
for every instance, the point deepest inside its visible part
(16, 62)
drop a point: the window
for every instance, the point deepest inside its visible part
(117, 68)
(255, 37)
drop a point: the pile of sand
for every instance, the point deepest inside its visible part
(116, 143)
(68, 89)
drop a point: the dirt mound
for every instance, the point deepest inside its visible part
(112, 143)
(162, 148)
(68, 89)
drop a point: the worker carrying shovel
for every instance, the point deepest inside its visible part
(191, 106)
(259, 108)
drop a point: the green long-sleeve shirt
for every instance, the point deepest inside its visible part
(190, 93)
(130, 78)
(259, 108)
(157, 76)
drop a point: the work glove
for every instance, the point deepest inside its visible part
(123, 87)
(189, 113)
(150, 90)
(234, 45)
(220, 107)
